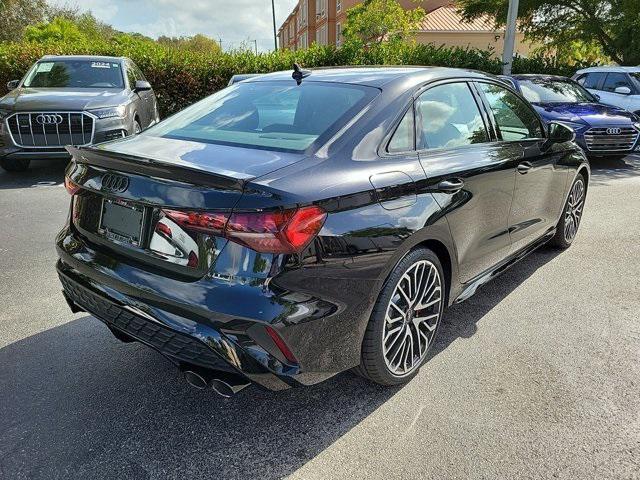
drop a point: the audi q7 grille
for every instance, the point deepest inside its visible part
(51, 129)
(611, 139)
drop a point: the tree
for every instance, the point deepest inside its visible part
(610, 25)
(377, 21)
(15, 15)
(198, 43)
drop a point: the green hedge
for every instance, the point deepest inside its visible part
(180, 78)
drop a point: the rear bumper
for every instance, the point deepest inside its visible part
(218, 323)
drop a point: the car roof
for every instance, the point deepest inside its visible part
(377, 76)
(97, 58)
(609, 68)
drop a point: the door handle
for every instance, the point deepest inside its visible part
(524, 167)
(451, 186)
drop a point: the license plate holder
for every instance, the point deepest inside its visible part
(121, 221)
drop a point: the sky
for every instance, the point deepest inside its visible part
(232, 21)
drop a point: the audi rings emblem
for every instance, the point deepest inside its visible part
(49, 119)
(614, 131)
(114, 183)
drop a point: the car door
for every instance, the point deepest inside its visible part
(471, 176)
(592, 81)
(615, 80)
(540, 179)
(137, 97)
(148, 97)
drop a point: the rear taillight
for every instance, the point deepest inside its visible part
(284, 231)
(71, 187)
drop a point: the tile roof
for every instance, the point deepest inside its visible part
(448, 19)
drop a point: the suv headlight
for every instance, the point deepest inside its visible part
(637, 125)
(4, 113)
(572, 125)
(111, 112)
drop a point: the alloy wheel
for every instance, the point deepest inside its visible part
(573, 212)
(412, 317)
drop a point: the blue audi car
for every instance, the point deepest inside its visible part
(601, 130)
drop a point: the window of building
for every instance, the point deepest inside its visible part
(338, 34)
(321, 8)
(303, 40)
(514, 118)
(447, 116)
(321, 35)
(338, 5)
(303, 13)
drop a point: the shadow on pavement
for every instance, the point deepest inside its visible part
(76, 403)
(604, 170)
(40, 173)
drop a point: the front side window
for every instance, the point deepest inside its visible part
(75, 74)
(514, 118)
(278, 116)
(554, 91)
(447, 116)
(591, 80)
(615, 80)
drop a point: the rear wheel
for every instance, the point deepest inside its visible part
(405, 320)
(15, 164)
(567, 228)
(136, 127)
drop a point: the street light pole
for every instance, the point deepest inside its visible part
(509, 37)
(275, 35)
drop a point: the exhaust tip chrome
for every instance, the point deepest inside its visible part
(195, 379)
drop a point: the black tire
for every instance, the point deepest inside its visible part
(374, 366)
(571, 213)
(15, 164)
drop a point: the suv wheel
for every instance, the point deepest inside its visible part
(405, 320)
(15, 164)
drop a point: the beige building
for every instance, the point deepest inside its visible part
(321, 21)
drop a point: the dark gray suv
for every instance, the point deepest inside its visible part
(72, 100)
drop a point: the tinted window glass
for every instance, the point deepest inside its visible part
(615, 80)
(75, 74)
(402, 140)
(591, 80)
(514, 118)
(268, 115)
(554, 91)
(447, 116)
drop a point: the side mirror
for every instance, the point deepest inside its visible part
(559, 133)
(141, 86)
(623, 90)
(13, 84)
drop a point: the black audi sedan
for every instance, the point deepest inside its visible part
(286, 229)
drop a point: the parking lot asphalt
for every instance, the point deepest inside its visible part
(536, 376)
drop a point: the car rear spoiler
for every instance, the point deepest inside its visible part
(153, 168)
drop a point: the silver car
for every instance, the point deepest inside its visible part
(613, 85)
(72, 100)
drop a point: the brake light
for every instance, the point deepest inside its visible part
(71, 187)
(284, 231)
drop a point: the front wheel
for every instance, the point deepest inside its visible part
(405, 320)
(15, 164)
(567, 228)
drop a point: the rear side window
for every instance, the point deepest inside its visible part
(268, 115)
(615, 80)
(514, 118)
(402, 140)
(447, 116)
(591, 80)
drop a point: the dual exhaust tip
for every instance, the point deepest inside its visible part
(226, 387)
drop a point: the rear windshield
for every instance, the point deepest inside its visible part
(554, 91)
(75, 74)
(268, 115)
